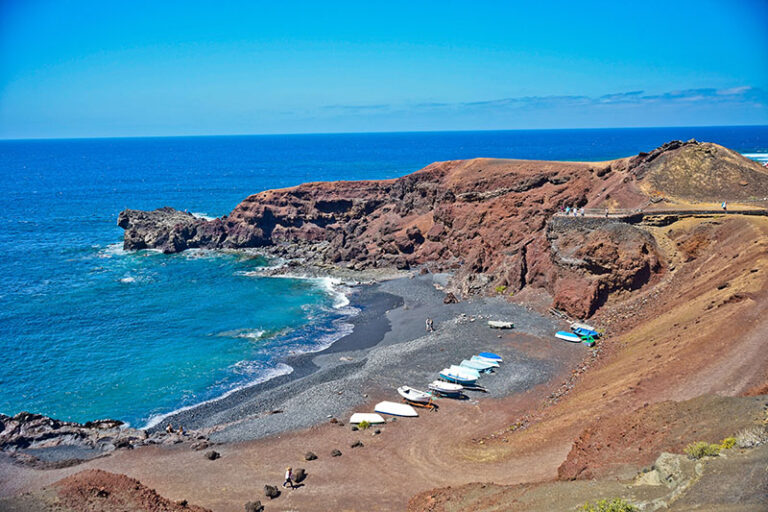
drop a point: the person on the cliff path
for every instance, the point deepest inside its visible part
(288, 477)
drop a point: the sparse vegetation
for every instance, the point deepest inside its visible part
(751, 437)
(363, 425)
(615, 505)
(727, 443)
(701, 449)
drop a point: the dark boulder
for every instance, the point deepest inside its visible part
(254, 506)
(450, 298)
(271, 491)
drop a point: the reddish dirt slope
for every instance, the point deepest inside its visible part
(96, 491)
(700, 330)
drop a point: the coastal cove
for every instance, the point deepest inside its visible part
(386, 348)
(372, 285)
(93, 332)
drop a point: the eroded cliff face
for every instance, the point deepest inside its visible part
(484, 219)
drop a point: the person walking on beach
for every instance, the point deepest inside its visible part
(288, 477)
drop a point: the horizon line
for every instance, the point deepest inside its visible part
(107, 137)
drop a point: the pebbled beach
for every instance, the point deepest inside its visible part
(388, 347)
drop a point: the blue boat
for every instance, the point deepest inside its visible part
(581, 331)
(491, 356)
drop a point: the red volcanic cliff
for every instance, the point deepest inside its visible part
(484, 219)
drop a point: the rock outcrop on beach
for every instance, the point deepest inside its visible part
(95, 490)
(39, 441)
(484, 220)
(590, 263)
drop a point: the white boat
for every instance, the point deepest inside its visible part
(446, 388)
(567, 336)
(579, 325)
(368, 417)
(500, 324)
(395, 409)
(462, 378)
(414, 395)
(489, 362)
(476, 365)
(468, 371)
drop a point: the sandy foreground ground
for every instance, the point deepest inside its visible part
(388, 347)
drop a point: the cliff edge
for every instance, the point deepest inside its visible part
(483, 219)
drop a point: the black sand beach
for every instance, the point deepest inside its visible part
(388, 347)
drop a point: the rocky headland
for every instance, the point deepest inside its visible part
(487, 221)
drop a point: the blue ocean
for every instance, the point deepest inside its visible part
(89, 331)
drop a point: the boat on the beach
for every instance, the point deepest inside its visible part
(463, 378)
(367, 417)
(579, 325)
(581, 331)
(490, 356)
(446, 388)
(395, 409)
(568, 336)
(469, 371)
(477, 365)
(414, 395)
(500, 324)
(489, 362)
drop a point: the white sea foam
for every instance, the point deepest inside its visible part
(251, 334)
(269, 374)
(760, 157)
(111, 250)
(204, 216)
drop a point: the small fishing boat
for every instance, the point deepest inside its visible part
(414, 395)
(469, 371)
(500, 324)
(585, 332)
(476, 365)
(367, 417)
(488, 362)
(491, 356)
(462, 378)
(395, 409)
(568, 336)
(446, 388)
(579, 325)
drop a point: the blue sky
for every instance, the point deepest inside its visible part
(81, 69)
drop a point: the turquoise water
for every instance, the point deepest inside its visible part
(88, 331)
